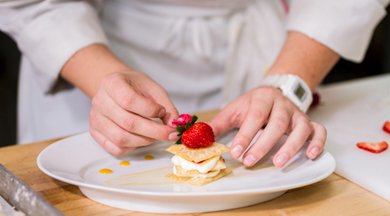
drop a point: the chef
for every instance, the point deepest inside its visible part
(109, 66)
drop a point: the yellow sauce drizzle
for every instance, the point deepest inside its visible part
(124, 163)
(149, 157)
(105, 171)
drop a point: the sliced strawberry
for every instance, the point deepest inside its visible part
(199, 162)
(316, 100)
(386, 127)
(373, 147)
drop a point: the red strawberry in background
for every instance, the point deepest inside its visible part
(373, 147)
(198, 136)
(386, 127)
(316, 100)
(193, 135)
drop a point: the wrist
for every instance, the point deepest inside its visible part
(86, 68)
(293, 87)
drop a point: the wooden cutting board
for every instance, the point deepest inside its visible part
(353, 112)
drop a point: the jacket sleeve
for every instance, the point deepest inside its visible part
(49, 32)
(345, 26)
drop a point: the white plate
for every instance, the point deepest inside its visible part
(78, 159)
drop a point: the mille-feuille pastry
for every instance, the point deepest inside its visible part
(197, 157)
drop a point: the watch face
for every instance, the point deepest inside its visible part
(300, 92)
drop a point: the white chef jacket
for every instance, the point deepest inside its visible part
(204, 53)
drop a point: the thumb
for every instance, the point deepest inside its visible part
(222, 122)
(170, 112)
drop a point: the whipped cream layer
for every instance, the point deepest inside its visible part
(202, 175)
(203, 167)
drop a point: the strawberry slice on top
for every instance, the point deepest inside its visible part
(374, 147)
(386, 127)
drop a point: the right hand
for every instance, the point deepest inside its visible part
(120, 110)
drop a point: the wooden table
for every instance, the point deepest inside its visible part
(332, 196)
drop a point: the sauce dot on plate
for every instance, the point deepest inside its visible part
(105, 171)
(149, 157)
(124, 163)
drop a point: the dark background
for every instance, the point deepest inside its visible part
(377, 61)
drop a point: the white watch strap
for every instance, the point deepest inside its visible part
(290, 84)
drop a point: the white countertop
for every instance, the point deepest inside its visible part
(355, 111)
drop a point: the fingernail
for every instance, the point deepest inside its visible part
(161, 113)
(173, 136)
(236, 151)
(249, 160)
(314, 152)
(281, 160)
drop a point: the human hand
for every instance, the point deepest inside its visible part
(120, 110)
(267, 105)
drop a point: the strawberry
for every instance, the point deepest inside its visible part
(316, 100)
(373, 147)
(182, 120)
(198, 162)
(386, 127)
(193, 135)
(198, 136)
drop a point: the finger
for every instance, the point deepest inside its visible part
(221, 122)
(131, 122)
(153, 102)
(119, 89)
(170, 109)
(171, 113)
(108, 145)
(116, 134)
(228, 118)
(257, 116)
(301, 130)
(318, 139)
(275, 129)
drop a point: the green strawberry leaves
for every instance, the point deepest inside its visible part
(178, 141)
(194, 119)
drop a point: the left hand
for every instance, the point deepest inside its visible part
(267, 105)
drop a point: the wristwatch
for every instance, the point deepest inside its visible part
(293, 87)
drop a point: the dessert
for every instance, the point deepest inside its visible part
(197, 157)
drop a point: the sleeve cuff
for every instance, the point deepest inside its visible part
(344, 26)
(54, 35)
